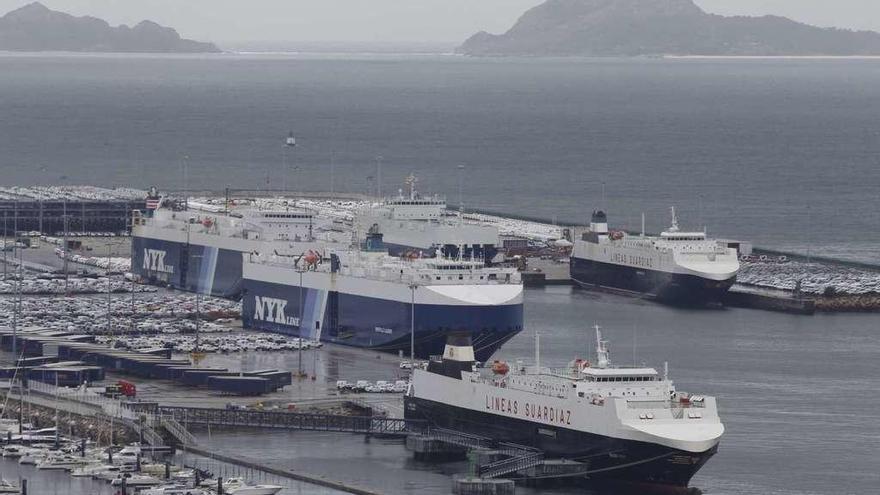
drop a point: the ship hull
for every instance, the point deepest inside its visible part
(191, 267)
(672, 288)
(368, 320)
(604, 458)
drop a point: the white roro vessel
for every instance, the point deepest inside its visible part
(677, 267)
(413, 222)
(622, 423)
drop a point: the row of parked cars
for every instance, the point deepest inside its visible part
(381, 386)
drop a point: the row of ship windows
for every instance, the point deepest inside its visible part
(625, 379)
(286, 215)
(461, 277)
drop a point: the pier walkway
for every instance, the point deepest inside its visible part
(370, 425)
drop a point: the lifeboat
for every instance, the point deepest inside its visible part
(500, 368)
(579, 365)
(311, 258)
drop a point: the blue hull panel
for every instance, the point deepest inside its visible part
(192, 267)
(375, 323)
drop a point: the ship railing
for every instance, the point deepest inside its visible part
(664, 404)
(521, 458)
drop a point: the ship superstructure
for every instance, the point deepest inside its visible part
(676, 266)
(368, 298)
(202, 250)
(627, 423)
(412, 222)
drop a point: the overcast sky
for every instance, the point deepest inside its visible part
(397, 20)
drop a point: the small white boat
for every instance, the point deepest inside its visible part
(13, 451)
(62, 462)
(135, 480)
(30, 458)
(88, 470)
(238, 486)
(174, 490)
(9, 487)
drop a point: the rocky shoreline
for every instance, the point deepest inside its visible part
(860, 303)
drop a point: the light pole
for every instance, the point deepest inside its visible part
(412, 324)
(300, 372)
(379, 176)
(460, 187)
(5, 245)
(109, 312)
(16, 305)
(196, 353)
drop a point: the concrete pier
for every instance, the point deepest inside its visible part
(554, 467)
(425, 448)
(770, 300)
(482, 486)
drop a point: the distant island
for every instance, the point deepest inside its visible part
(36, 28)
(661, 27)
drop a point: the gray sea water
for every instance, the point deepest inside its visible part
(781, 152)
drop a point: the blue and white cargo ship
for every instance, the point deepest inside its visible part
(198, 250)
(367, 298)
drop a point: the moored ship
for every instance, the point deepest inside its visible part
(202, 251)
(413, 222)
(368, 298)
(677, 267)
(618, 423)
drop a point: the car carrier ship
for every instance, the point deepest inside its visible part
(412, 222)
(677, 267)
(201, 251)
(368, 298)
(619, 423)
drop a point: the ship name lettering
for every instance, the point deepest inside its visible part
(271, 310)
(632, 260)
(154, 260)
(502, 405)
(547, 414)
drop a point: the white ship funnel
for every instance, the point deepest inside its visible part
(599, 222)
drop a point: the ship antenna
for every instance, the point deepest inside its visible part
(602, 355)
(537, 352)
(674, 227)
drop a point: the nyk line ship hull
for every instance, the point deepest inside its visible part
(197, 262)
(187, 266)
(675, 288)
(378, 314)
(604, 458)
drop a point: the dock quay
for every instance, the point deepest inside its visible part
(82, 351)
(743, 296)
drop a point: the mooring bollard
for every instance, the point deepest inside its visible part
(219, 485)
(167, 470)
